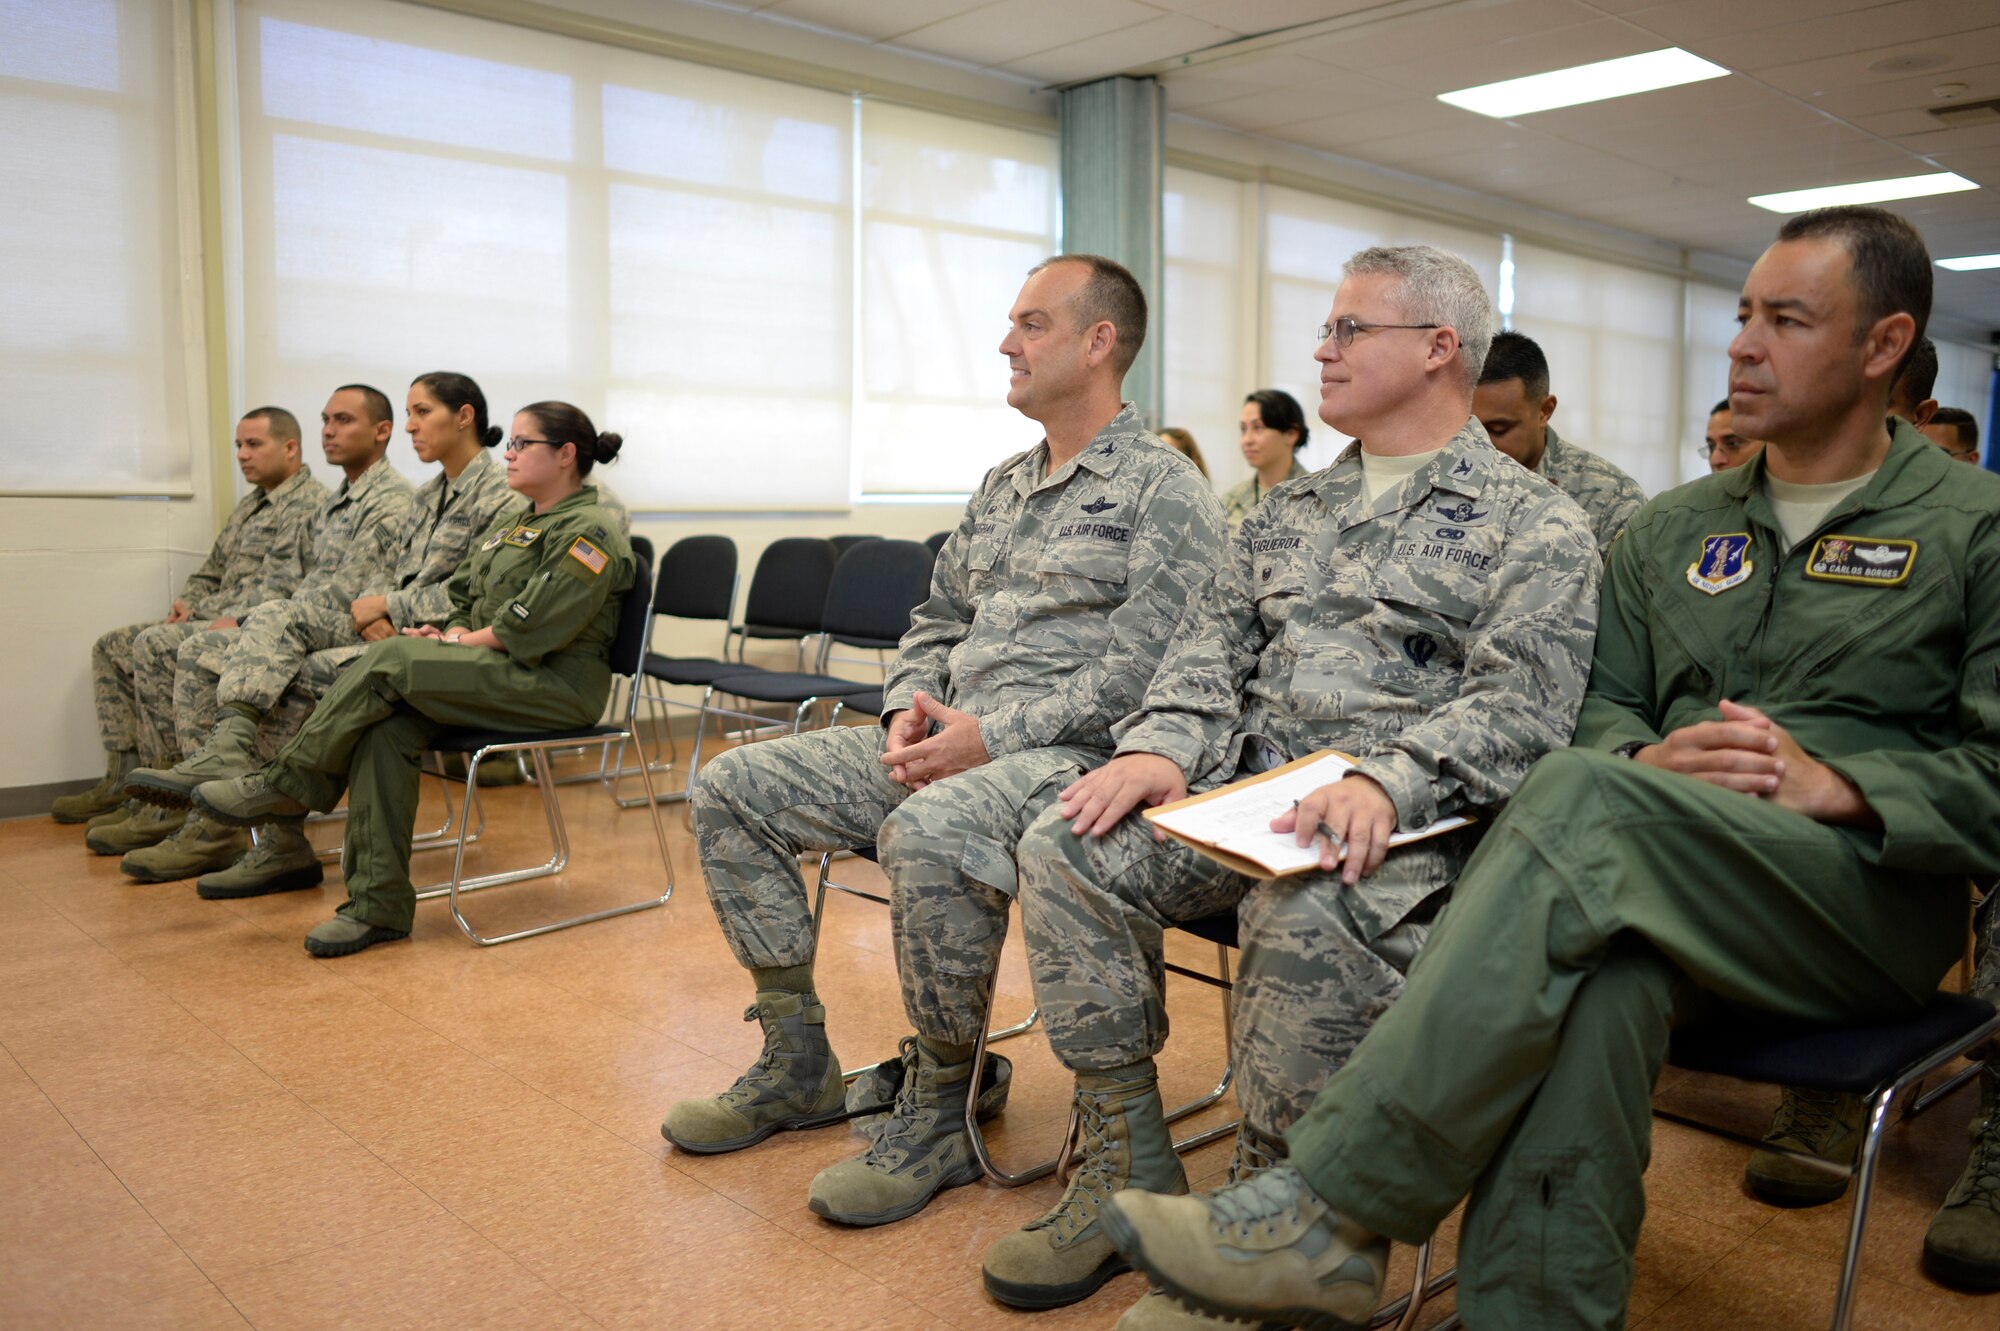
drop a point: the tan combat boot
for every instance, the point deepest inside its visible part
(795, 1083)
(922, 1150)
(1064, 1256)
(106, 795)
(229, 751)
(201, 844)
(1824, 1125)
(144, 825)
(1159, 1311)
(279, 860)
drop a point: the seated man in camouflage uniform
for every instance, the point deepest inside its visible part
(356, 539)
(1048, 610)
(229, 691)
(260, 556)
(1423, 605)
(1514, 404)
(1786, 766)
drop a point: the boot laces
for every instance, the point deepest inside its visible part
(1254, 1154)
(1982, 1171)
(1096, 1175)
(914, 1115)
(1809, 1117)
(764, 1074)
(1258, 1203)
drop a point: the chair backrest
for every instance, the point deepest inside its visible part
(697, 579)
(643, 548)
(842, 544)
(874, 588)
(788, 590)
(936, 541)
(635, 620)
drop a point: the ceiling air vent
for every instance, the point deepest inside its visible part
(1960, 114)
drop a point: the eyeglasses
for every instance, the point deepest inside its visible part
(517, 443)
(1343, 329)
(1731, 447)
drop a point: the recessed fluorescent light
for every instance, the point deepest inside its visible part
(1970, 263)
(1863, 191)
(1586, 83)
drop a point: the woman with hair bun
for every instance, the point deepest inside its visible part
(1273, 430)
(524, 645)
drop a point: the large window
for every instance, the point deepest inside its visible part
(94, 369)
(1613, 338)
(1207, 314)
(1711, 327)
(1965, 379)
(677, 249)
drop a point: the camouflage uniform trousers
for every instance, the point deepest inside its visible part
(260, 664)
(947, 850)
(1094, 911)
(132, 679)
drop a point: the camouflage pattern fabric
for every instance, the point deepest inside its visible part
(947, 850)
(1239, 501)
(608, 501)
(446, 517)
(1607, 496)
(1050, 604)
(260, 555)
(1442, 636)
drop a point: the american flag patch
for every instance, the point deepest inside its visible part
(588, 555)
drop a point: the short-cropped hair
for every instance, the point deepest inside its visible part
(1892, 265)
(284, 426)
(1435, 287)
(374, 401)
(1517, 356)
(1917, 379)
(1966, 423)
(1111, 295)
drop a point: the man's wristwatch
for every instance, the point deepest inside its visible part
(1631, 750)
(454, 637)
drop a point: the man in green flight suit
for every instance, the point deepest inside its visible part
(1788, 761)
(526, 646)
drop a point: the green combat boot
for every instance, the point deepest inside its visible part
(795, 1083)
(1962, 1246)
(344, 935)
(922, 1151)
(229, 751)
(246, 801)
(106, 795)
(144, 825)
(115, 815)
(279, 860)
(1063, 1256)
(201, 844)
(1821, 1124)
(1156, 1311)
(1266, 1249)
(872, 1094)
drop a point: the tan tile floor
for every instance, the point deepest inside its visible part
(201, 1126)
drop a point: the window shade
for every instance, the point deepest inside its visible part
(1206, 314)
(93, 359)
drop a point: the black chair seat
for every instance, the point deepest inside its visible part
(869, 702)
(781, 686)
(695, 670)
(1855, 1059)
(1217, 928)
(456, 740)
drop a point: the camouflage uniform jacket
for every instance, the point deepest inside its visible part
(261, 552)
(1607, 496)
(607, 500)
(358, 531)
(446, 517)
(1441, 635)
(1240, 501)
(1055, 595)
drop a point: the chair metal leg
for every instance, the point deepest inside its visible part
(1857, 1224)
(1925, 1099)
(1423, 1288)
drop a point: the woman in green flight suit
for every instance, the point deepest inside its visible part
(526, 646)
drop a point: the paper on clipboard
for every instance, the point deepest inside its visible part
(1232, 824)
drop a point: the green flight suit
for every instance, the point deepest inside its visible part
(549, 585)
(1613, 900)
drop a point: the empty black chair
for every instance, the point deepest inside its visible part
(868, 604)
(936, 542)
(642, 549)
(787, 592)
(842, 544)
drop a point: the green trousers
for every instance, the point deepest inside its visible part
(1609, 901)
(369, 732)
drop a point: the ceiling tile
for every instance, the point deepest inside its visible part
(1515, 56)
(1366, 121)
(1098, 57)
(1010, 29)
(877, 20)
(1697, 23)
(1462, 28)
(1259, 16)
(1960, 51)
(1868, 33)
(1849, 100)
(1330, 93)
(1204, 85)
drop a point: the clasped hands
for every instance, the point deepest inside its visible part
(1747, 751)
(1353, 814)
(914, 760)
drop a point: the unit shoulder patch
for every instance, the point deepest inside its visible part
(1724, 563)
(1866, 561)
(588, 555)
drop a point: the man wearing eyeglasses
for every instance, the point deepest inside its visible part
(1723, 448)
(1424, 605)
(1514, 404)
(358, 538)
(1049, 608)
(1956, 431)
